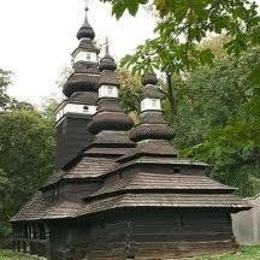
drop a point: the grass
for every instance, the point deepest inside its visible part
(245, 253)
(10, 255)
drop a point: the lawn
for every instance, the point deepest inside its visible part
(10, 255)
(245, 253)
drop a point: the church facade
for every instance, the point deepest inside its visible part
(121, 192)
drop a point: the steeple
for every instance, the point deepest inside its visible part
(107, 62)
(85, 62)
(80, 90)
(110, 124)
(152, 126)
(86, 30)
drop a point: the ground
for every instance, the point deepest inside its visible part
(245, 253)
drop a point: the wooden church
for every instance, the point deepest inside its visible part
(121, 191)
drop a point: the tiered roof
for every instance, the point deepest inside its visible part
(151, 175)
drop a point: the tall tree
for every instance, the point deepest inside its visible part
(26, 158)
(4, 82)
(218, 115)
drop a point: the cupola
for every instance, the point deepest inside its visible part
(109, 116)
(152, 125)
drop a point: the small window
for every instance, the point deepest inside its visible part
(154, 102)
(86, 109)
(176, 170)
(110, 90)
(88, 56)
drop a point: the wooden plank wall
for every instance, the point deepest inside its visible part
(72, 137)
(150, 235)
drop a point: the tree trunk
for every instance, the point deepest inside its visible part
(171, 96)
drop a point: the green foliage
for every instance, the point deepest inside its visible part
(49, 109)
(10, 255)
(130, 93)
(186, 23)
(219, 115)
(4, 81)
(26, 158)
(244, 253)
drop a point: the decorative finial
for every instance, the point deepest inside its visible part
(86, 5)
(107, 47)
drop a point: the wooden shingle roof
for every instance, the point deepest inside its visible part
(179, 200)
(39, 208)
(149, 181)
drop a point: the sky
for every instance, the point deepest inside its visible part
(37, 38)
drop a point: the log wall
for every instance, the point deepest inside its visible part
(145, 234)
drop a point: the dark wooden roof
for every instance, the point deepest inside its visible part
(90, 168)
(160, 181)
(39, 208)
(87, 97)
(179, 200)
(152, 148)
(87, 167)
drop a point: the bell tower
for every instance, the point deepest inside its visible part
(81, 95)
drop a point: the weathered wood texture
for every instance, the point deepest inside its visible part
(72, 137)
(144, 234)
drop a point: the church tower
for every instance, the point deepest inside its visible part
(81, 94)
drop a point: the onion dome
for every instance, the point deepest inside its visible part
(149, 78)
(86, 30)
(109, 116)
(107, 62)
(152, 126)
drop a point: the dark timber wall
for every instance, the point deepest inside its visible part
(72, 137)
(144, 234)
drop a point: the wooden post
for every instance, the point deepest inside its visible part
(129, 241)
(48, 244)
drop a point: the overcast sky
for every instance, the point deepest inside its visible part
(37, 38)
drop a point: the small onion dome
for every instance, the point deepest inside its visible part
(107, 62)
(151, 131)
(107, 67)
(149, 78)
(86, 30)
(117, 121)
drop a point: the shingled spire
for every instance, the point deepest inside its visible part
(85, 62)
(80, 90)
(110, 124)
(153, 125)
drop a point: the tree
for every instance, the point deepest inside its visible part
(218, 116)
(26, 158)
(4, 82)
(130, 92)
